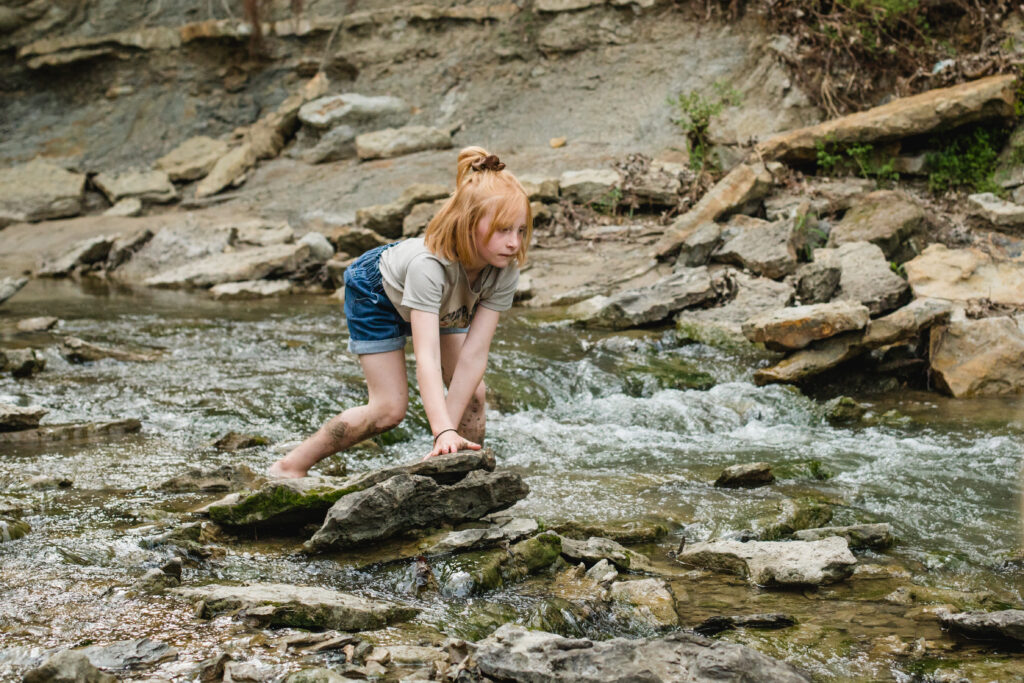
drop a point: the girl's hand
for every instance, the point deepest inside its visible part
(450, 442)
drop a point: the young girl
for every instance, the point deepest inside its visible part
(445, 290)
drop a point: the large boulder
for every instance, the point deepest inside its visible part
(513, 653)
(887, 219)
(192, 159)
(776, 563)
(654, 303)
(178, 244)
(983, 357)
(788, 329)
(929, 112)
(759, 246)
(308, 607)
(867, 277)
(405, 502)
(39, 191)
(357, 111)
(743, 184)
(148, 186)
(396, 142)
(907, 322)
(239, 266)
(816, 358)
(965, 274)
(293, 502)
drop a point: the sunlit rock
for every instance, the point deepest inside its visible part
(75, 350)
(788, 329)
(250, 264)
(42, 323)
(12, 529)
(723, 325)
(776, 563)
(595, 549)
(589, 185)
(748, 475)
(646, 601)
(1002, 625)
(230, 477)
(652, 304)
(149, 186)
(887, 219)
(761, 247)
(982, 357)
(69, 666)
(280, 605)
(395, 142)
(965, 274)
(514, 653)
(130, 654)
(354, 110)
(39, 191)
(192, 159)
(15, 418)
(76, 431)
(251, 289)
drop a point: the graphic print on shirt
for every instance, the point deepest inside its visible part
(458, 318)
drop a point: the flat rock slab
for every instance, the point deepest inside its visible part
(409, 501)
(935, 110)
(16, 418)
(284, 605)
(877, 536)
(288, 502)
(75, 350)
(224, 478)
(723, 325)
(474, 539)
(887, 219)
(789, 329)
(396, 142)
(72, 432)
(595, 549)
(355, 110)
(240, 266)
(129, 654)
(1003, 625)
(69, 666)
(152, 186)
(39, 191)
(776, 563)
(654, 303)
(251, 289)
(867, 277)
(998, 212)
(192, 159)
(759, 246)
(514, 653)
(747, 475)
(815, 359)
(650, 601)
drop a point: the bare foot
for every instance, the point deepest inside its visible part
(279, 471)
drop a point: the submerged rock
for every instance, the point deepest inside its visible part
(776, 563)
(843, 410)
(513, 653)
(22, 363)
(280, 605)
(877, 536)
(501, 567)
(69, 666)
(223, 478)
(75, 350)
(650, 601)
(626, 533)
(293, 502)
(72, 432)
(1003, 625)
(408, 501)
(749, 475)
(713, 625)
(509, 531)
(234, 441)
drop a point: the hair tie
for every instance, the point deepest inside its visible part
(488, 163)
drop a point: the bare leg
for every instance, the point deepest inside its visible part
(389, 396)
(473, 424)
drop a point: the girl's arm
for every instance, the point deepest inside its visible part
(426, 344)
(472, 361)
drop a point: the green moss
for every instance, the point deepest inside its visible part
(664, 372)
(803, 469)
(276, 501)
(966, 160)
(500, 567)
(795, 515)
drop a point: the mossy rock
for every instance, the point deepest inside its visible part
(283, 503)
(12, 529)
(663, 372)
(557, 615)
(710, 332)
(803, 469)
(501, 567)
(844, 410)
(479, 619)
(792, 514)
(508, 393)
(964, 601)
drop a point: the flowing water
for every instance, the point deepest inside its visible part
(601, 427)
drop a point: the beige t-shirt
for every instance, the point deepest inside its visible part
(414, 278)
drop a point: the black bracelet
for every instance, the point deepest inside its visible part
(438, 435)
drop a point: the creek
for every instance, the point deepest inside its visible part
(601, 426)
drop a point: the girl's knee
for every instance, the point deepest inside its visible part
(389, 415)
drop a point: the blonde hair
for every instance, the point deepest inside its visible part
(451, 234)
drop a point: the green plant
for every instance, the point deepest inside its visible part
(695, 114)
(608, 203)
(865, 161)
(966, 160)
(898, 269)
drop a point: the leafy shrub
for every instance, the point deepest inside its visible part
(695, 113)
(966, 160)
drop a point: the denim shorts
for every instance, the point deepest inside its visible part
(374, 326)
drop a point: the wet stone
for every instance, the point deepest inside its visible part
(475, 539)
(626, 533)
(22, 362)
(12, 529)
(595, 549)
(9, 286)
(39, 324)
(76, 350)
(72, 432)
(514, 653)
(49, 481)
(878, 536)
(1001, 625)
(69, 666)
(843, 410)
(279, 605)
(776, 563)
(750, 475)
(649, 601)
(16, 418)
(130, 654)
(223, 478)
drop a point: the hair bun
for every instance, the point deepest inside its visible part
(488, 163)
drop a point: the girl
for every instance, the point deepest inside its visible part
(446, 290)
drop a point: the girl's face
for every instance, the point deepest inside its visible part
(502, 247)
